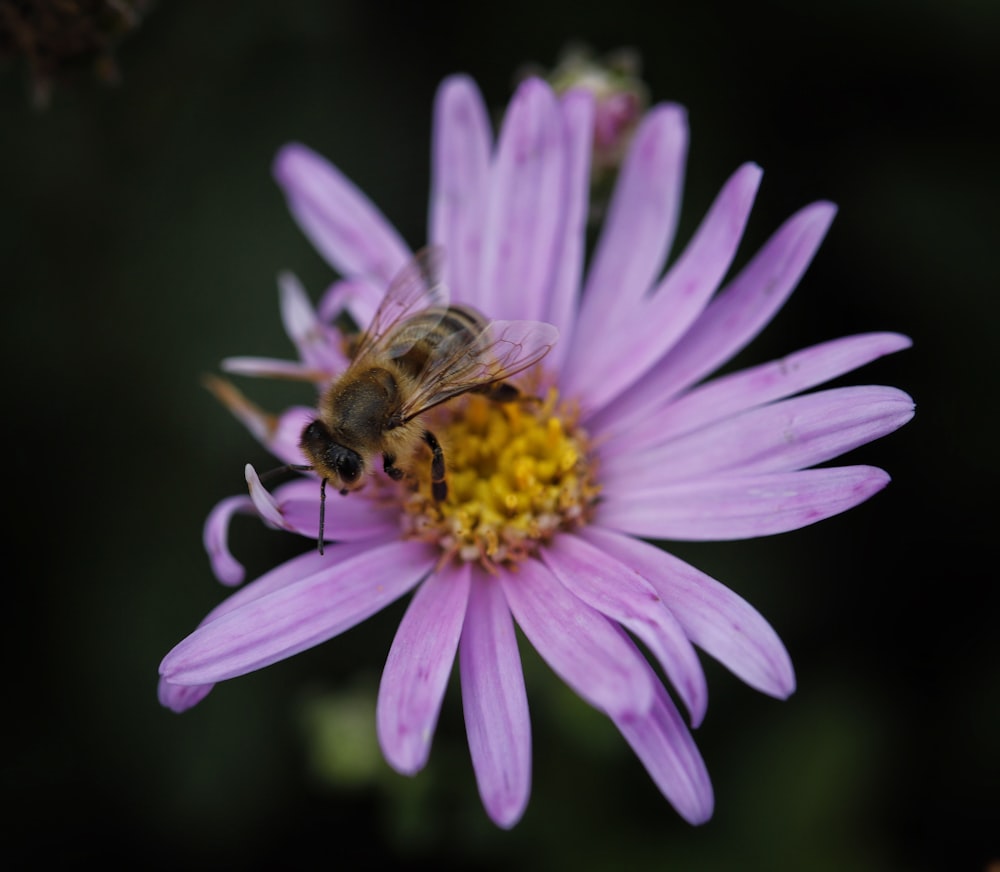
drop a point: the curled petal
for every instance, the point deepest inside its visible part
(495, 703)
(297, 616)
(216, 535)
(717, 620)
(740, 507)
(416, 672)
(616, 590)
(295, 507)
(582, 646)
(265, 504)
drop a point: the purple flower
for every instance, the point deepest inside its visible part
(549, 503)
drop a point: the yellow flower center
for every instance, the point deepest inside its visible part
(517, 473)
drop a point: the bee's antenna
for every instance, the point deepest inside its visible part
(322, 512)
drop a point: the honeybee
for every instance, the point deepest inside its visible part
(417, 353)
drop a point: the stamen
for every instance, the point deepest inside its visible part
(517, 473)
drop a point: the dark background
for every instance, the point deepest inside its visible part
(140, 238)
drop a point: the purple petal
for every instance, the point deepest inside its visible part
(416, 672)
(663, 744)
(182, 697)
(525, 206)
(263, 502)
(283, 441)
(635, 339)
(730, 394)
(299, 615)
(215, 538)
(274, 367)
(358, 297)
(640, 224)
(280, 434)
(287, 573)
(349, 518)
(737, 314)
(563, 297)
(178, 697)
(495, 703)
(339, 220)
(617, 591)
(780, 437)
(582, 646)
(740, 507)
(316, 343)
(717, 620)
(460, 182)
(295, 507)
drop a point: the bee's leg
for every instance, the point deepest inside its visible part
(389, 465)
(439, 487)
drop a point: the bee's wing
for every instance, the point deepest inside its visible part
(500, 351)
(416, 286)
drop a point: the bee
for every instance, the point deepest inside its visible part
(418, 352)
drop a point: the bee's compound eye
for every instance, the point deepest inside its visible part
(349, 467)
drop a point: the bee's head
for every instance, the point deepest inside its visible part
(342, 466)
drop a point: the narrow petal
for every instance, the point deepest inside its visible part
(215, 538)
(460, 182)
(617, 591)
(278, 433)
(265, 504)
(274, 367)
(316, 343)
(717, 620)
(736, 315)
(563, 297)
(348, 518)
(298, 616)
(339, 220)
(288, 573)
(740, 507)
(637, 337)
(178, 697)
(495, 703)
(663, 744)
(283, 441)
(525, 206)
(582, 646)
(357, 297)
(295, 507)
(730, 394)
(640, 224)
(416, 672)
(780, 437)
